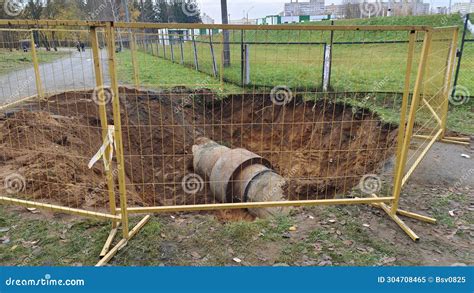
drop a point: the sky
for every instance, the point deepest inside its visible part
(259, 8)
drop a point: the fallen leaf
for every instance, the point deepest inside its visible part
(386, 260)
(237, 260)
(4, 240)
(332, 221)
(32, 210)
(347, 242)
(311, 217)
(458, 264)
(281, 265)
(292, 228)
(465, 156)
(194, 254)
(3, 230)
(451, 213)
(366, 225)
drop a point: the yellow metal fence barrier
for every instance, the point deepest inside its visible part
(152, 96)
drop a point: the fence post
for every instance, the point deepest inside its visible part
(331, 43)
(103, 118)
(170, 40)
(246, 64)
(181, 49)
(461, 50)
(326, 67)
(133, 51)
(118, 128)
(195, 53)
(164, 45)
(158, 46)
(213, 57)
(403, 152)
(447, 85)
(39, 85)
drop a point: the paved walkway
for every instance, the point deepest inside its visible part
(75, 71)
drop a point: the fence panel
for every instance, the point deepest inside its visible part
(464, 78)
(176, 130)
(47, 141)
(314, 145)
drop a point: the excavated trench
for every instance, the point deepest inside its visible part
(321, 148)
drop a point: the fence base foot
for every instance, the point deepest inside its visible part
(401, 223)
(121, 244)
(453, 140)
(108, 242)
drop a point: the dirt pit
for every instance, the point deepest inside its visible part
(323, 148)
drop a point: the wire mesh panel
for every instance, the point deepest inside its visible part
(169, 117)
(271, 125)
(430, 113)
(464, 88)
(17, 78)
(47, 141)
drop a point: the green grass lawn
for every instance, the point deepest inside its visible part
(157, 73)
(300, 66)
(335, 233)
(16, 60)
(355, 67)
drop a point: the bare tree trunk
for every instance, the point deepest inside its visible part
(225, 20)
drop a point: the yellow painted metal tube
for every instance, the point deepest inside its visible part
(458, 138)
(56, 208)
(246, 205)
(421, 157)
(400, 223)
(416, 216)
(455, 141)
(397, 186)
(139, 25)
(103, 116)
(406, 94)
(433, 112)
(110, 35)
(112, 253)
(122, 242)
(18, 102)
(34, 56)
(411, 215)
(108, 242)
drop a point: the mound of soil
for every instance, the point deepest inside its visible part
(322, 148)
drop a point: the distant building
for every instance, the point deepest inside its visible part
(243, 20)
(336, 11)
(313, 7)
(440, 10)
(355, 8)
(278, 19)
(463, 7)
(206, 19)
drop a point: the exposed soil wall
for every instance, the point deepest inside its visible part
(322, 148)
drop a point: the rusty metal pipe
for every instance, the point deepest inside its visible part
(238, 175)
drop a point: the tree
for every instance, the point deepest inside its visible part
(162, 11)
(184, 11)
(148, 11)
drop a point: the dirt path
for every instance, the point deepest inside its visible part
(75, 71)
